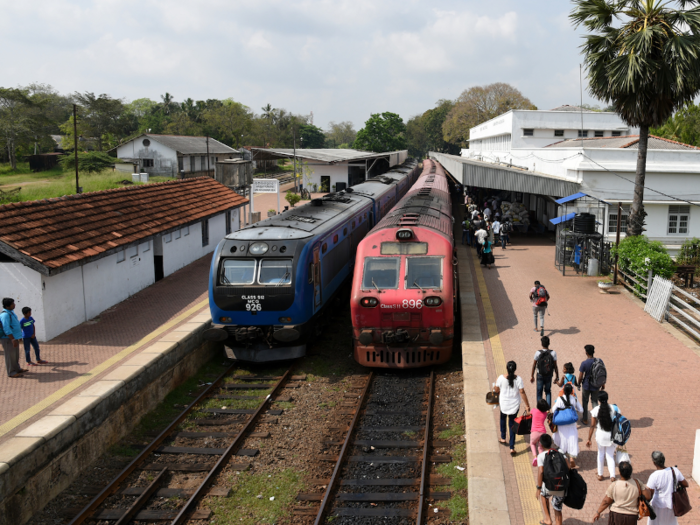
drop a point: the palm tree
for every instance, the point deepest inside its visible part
(644, 58)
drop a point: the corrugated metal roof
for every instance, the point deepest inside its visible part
(487, 175)
(187, 145)
(625, 142)
(571, 198)
(563, 218)
(572, 109)
(331, 156)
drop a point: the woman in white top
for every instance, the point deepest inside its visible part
(510, 389)
(566, 436)
(603, 416)
(661, 485)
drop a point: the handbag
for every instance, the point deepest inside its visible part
(552, 427)
(492, 398)
(565, 416)
(522, 425)
(681, 502)
(645, 510)
(620, 456)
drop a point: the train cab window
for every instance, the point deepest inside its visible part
(238, 271)
(424, 272)
(275, 271)
(381, 272)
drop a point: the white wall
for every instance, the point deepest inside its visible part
(179, 252)
(24, 286)
(164, 158)
(337, 172)
(108, 282)
(64, 307)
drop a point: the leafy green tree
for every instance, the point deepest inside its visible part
(417, 137)
(479, 104)
(644, 58)
(340, 133)
(17, 124)
(100, 115)
(89, 162)
(229, 122)
(382, 132)
(312, 136)
(683, 126)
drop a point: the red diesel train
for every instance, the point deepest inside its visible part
(405, 280)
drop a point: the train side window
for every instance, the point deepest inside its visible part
(335, 239)
(345, 231)
(238, 271)
(311, 273)
(353, 225)
(424, 272)
(324, 248)
(381, 273)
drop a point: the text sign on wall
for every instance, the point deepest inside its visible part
(265, 185)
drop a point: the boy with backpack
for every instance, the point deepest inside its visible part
(466, 225)
(506, 228)
(539, 297)
(552, 480)
(592, 378)
(29, 334)
(546, 365)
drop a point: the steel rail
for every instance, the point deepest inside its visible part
(343, 451)
(91, 507)
(426, 450)
(189, 507)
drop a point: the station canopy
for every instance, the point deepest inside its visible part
(331, 156)
(504, 177)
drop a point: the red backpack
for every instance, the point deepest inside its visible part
(541, 296)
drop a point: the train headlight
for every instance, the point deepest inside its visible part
(225, 319)
(285, 319)
(369, 302)
(404, 234)
(432, 301)
(258, 248)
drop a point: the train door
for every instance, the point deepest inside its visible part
(317, 277)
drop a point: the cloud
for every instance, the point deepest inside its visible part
(343, 59)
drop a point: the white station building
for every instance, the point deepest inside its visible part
(544, 155)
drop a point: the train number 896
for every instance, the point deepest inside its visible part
(412, 304)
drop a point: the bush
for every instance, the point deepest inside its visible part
(89, 162)
(292, 198)
(689, 253)
(637, 254)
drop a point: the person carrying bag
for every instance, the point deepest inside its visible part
(669, 498)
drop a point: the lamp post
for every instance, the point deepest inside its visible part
(294, 138)
(75, 146)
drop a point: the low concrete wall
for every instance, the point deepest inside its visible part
(45, 458)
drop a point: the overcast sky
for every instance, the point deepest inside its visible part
(341, 59)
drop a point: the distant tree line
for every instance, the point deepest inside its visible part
(29, 115)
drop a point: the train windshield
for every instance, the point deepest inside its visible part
(275, 271)
(381, 272)
(238, 271)
(424, 272)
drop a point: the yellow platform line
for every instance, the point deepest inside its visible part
(532, 512)
(87, 376)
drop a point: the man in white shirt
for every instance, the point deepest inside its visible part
(480, 235)
(487, 213)
(496, 227)
(543, 494)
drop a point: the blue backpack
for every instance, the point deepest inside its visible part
(622, 429)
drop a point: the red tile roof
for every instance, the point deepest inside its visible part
(61, 231)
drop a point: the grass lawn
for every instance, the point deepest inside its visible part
(56, 182)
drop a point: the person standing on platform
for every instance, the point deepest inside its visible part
(10, 337)
(547, 367)
(539, 296)
(566, 437)
(585, 377)
(506, 228)
(481, 235)
(623, 498)
(661, 483)
(466, 225)
(511, 391)
(30, 341)
(496, 227)
(602, 423)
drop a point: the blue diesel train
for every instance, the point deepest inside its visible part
(270, 282)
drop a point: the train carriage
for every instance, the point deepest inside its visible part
(403, 296)
(270, 282)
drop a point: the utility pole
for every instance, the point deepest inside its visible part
(208, 166)
(294, 137)
(75, 143)
(617, 240)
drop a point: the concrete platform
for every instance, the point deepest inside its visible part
(131, 359)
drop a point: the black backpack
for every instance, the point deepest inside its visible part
(555, 474)
(599, 374)
(576, 494)
(545, 363)
(507, 227)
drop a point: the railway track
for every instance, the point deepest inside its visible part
(382, 456)
(190, 455)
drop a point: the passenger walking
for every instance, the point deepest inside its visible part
(546, 365)
(480, 235)
(623, 498)
(662, 485)
(466, 224)
(539, 416)
(539, 297)
(29, 334)
(544, 492)
(511, 391)
(487, 254)
(496, 227)
(10, 337)
(602, 422)
(568, 377)
(566, 437)
(506, 228)
(588, 383)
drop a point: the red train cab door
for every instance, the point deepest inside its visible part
(317, 278)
